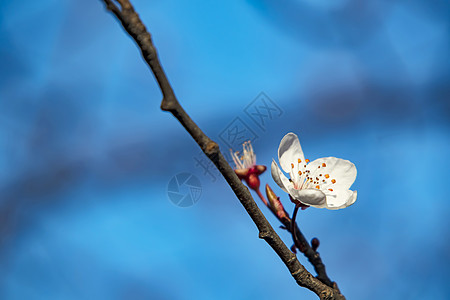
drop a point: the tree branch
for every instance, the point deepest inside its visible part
(130, 20)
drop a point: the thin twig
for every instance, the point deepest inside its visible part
(312, 255)
(261, 196)
(294, 216)
(300, 242)
(136, 29)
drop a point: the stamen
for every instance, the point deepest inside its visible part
(330, 190)
(327, 176)
(300, 173)
(324, 165)
(299, 160)
(307, 160)
(292, 166)
(333, 180)
(317, 187)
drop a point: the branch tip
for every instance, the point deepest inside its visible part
(168, 104)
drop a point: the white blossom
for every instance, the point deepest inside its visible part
(322, 183)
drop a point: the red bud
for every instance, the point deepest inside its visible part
(315, 243)
(275, 203)
(253, 181)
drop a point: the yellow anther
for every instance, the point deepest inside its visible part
(324, 165)
(299, 160)
(292, 166)
(333, 180)
(307, 160)
(327, 176)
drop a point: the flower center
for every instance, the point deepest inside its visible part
(305, 176)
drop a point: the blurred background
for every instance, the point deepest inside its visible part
(86, 155)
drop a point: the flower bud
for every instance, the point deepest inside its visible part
(275, 203)
(252, 181)
(315, 243)
(246, 167)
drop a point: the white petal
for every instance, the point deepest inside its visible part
(289, 152)
(279, 177)
(352, 199)
(341, 170)
(341, 199)
(311, 197)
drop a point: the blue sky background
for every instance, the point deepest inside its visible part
(86, 154)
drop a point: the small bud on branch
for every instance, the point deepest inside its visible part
(275, 204)
(315, 243)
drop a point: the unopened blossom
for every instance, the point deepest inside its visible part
(246, 167)
(275, 204)
(322, 183)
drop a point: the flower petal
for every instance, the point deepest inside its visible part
(341, 199)
(339, 174)
(311, 197)
(289, 152)
(352, 199)
(279, 177)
